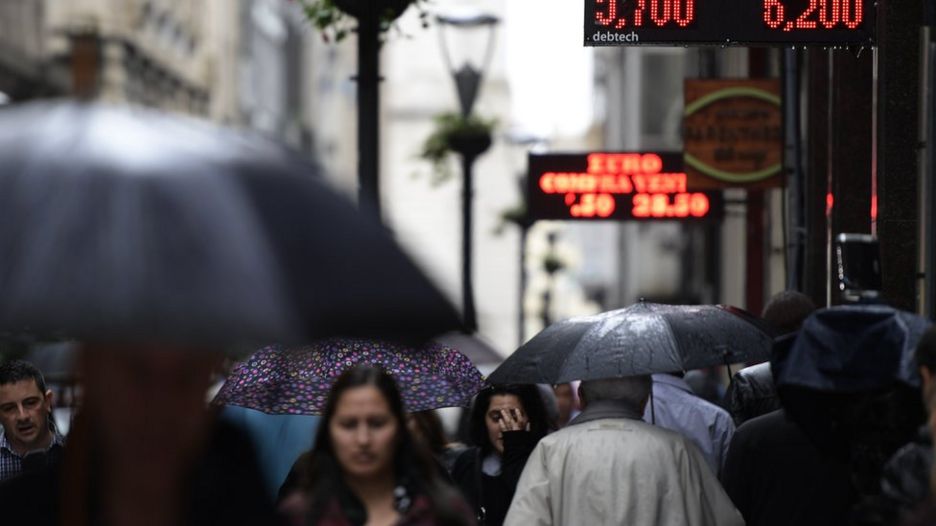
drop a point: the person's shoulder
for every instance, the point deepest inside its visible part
(663, 437)
(631, 426)
(699, 403)
(769, 427)
(464, 461)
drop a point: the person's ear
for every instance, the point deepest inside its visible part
(581, 395)
(50, 399)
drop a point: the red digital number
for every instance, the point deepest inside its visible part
(803, 21)
(681, 205)
(825, 13)
(828, 12)
(851, 18)
(659, 206)
(592, 205)
(773, 13)
(639, 13)
(683, 12)
(608, 18)
(661, 12)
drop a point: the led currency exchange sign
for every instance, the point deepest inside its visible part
(621, 186)
(678, 22)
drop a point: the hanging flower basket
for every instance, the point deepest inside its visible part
(331, 17)
(454, 133)
(384, 10)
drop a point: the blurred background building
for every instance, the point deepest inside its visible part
(260, 64)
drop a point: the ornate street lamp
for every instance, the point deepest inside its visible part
(467, 75)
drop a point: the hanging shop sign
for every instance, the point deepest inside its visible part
(733, 133)
(616, 186)
(770, 22)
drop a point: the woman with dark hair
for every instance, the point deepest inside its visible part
(366, 469)
(505, 425)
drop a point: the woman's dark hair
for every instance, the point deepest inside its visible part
(529, 397)
(431, 431)
(414, 466)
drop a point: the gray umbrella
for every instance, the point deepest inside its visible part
(121, 224)
(644, 338)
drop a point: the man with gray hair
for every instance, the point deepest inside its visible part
(609, 467)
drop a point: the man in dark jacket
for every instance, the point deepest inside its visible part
(818, 460)
(820, 493)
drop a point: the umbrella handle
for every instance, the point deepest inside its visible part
(652, 408)
(728, 366)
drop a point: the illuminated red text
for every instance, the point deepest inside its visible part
(671, 205)
(659, 13)
(612, 179)
(819, 14)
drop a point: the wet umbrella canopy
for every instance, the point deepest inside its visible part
(132, 225)
(644, 338)
(297, 380)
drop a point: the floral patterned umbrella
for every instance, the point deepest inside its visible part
(296, 380)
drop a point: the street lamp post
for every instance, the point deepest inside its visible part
(530, 142)
(369, 14)
(467, 77)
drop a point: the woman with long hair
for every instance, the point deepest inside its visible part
(506, 423)
(365, 468)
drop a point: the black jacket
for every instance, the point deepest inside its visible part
(490, 497)
(751, 393)
(905, 482)
(777, 477)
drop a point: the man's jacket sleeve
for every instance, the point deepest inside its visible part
(531, 502)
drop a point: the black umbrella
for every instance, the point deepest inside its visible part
(644, 338)
(122, 224)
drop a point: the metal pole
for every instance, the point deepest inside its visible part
(368, 99)
(755, 275)
(471, 321)
(927, 168)
(796, 216)
(521, 321)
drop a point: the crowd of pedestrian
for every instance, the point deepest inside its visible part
(649, 450)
